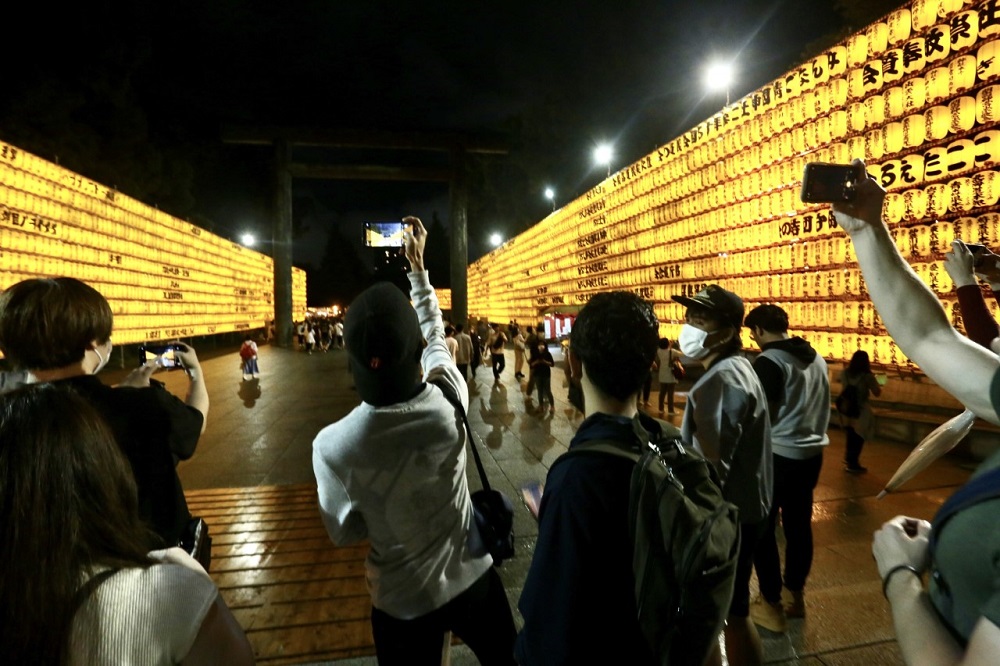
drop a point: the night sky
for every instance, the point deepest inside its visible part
(136, 93)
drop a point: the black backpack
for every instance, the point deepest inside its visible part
(685, 542)
(848, 402)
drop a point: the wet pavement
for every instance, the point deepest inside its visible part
(260, 433)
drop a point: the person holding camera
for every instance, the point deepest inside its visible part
(59, 330)
(956, 618)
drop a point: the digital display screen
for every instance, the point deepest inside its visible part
(384, 234)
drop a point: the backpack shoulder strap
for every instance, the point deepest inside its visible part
(984, 487)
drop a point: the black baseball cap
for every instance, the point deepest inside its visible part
(726, 305)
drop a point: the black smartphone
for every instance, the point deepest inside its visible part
(829, 183)
(384, 234)
(979, 252)
(162, 355)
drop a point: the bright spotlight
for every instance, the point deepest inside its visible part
(550, 194)
(248, 239)
(496, 240)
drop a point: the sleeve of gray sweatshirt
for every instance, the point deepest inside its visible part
(437, 361)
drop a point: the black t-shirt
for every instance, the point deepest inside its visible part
(154, 429)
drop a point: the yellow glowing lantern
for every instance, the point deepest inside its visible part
(938, 198)
(964, 30)
(855, 84)
(985, 188)
(914, 94)
(988, 104)
(914, 205)
(937, 122)
(877, 35)
(988, 228)
(874, 144)
(924, 14)
(833, 126)
(914, 130)
(913, 52)
(988, 25)
(871, 76)
(874, 110)
(837, 61)
(893, 207)
(892, 135)
(963, 114)
(892, 103)
(937, 82)
(898, 26)
(942, 234)
(838, 153)
(988, 59)
(967, 229)
(857, 49)
(856, 148)
(961, 74)
(961, 156)
(937, 42)
(838, 92)
(962, 195)
(856, 116)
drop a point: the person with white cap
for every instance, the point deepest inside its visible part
(393, 472)
(726, 420)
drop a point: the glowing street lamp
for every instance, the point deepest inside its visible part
(496, 240)
(248, 239)
(719, 76)
(550, 194)
(603, 154)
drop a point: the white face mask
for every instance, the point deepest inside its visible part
(692, 342)
(102, 361)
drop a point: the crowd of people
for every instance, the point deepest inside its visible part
(98, 553)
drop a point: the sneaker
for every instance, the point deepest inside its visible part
(769, 616)
(855, 470)
(795, 607)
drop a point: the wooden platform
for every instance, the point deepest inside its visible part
(299, 598)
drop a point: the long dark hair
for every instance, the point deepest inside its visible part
(67, 504)
(859, 365)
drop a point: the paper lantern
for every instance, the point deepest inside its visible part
(988, 104)
(856, 114)
(924, 14)
(892, 138)
(838, 153)
(914, 205)
(856, 83)
(893, 208)
(938, 199)
(834, 126)
(988, 229)
(914, 95)
(963, 114)
(877, 35)
(989, 24)
(892, 103)
(874, 110)
(874, 144)
(964, 30)
(913, 55)
(838, 92)
(961, 156)
(857, 49)
(962, 195)
(856, 148)
(937, 82)
(967, 229)
(871, 76)
(898, 26)
(937, 43)
(937, 122)
(961, 74)
(914, 130)
(985, 188)
(988, 59)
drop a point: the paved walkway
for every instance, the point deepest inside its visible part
(261, 434)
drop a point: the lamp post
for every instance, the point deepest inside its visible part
(719, 76)
(602, 155)
(550, 194)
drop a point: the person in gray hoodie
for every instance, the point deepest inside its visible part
(797, 386)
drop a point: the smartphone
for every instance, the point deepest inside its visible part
(828, 183)
(384, 234)
(978, 251)
(162, 355)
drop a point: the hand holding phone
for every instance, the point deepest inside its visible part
(829, 183)
(163, 356)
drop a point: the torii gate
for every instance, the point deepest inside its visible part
(458, 146)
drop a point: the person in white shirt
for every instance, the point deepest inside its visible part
(393, 472)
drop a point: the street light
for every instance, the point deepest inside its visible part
(248, 239)
(602, 156)
(550, 194)
(496, 240)
(719, 76)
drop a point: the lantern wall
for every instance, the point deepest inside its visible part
(164, 278)
(916, 95)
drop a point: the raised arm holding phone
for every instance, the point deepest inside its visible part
(956, 620)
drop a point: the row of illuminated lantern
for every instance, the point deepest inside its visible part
(135, 331)
(125, 269)
(77, 244)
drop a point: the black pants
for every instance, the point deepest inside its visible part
(499, 363)
(464, 369)
(794, 482)
(749, 537)
(855, 442)
(480, 616)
